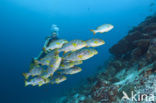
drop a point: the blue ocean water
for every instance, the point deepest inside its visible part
(26, 23)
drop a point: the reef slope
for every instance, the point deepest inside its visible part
(132, 69)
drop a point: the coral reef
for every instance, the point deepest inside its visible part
(131, 72)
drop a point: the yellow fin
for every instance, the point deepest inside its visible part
(48, 61)
(26, 83)
(58, 43)
(26, 76)
(93, 31)
(51, 65)
(80, 56)
(57, 81)
(44, 50)
(74, 44)
(40, 83)
(43, 77)
(95, 42)
(47, 80)
(36, 62)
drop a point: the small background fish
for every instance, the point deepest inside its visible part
(103, 28)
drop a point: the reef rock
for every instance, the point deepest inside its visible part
(132, 70)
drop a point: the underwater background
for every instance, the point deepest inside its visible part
(25, 24)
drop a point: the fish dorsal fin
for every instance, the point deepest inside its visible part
(100, 26)
(96, 42)
(74, 44)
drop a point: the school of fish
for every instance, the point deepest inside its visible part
(62, 58)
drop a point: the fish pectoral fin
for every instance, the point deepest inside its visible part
(74, 44)
(51, 65)
(58, 43)
(48, 61)
(80, 56)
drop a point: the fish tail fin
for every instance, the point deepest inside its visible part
(26, 76)
(44, 50)
(36, 62)
(26, 83)
(94, 32)
(40, 84)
